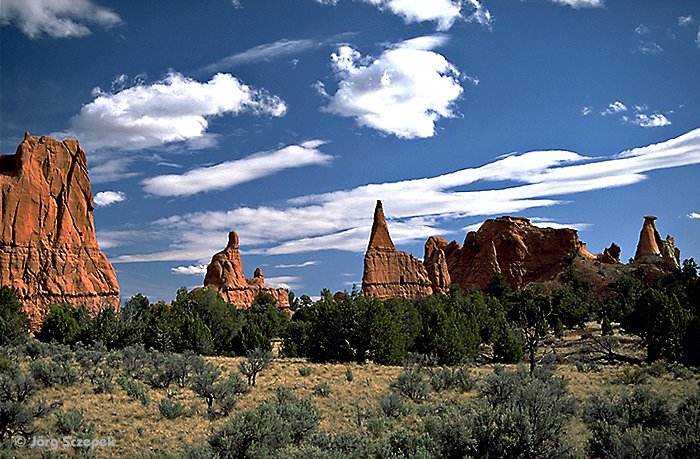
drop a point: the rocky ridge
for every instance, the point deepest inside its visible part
(524, 253)
(48, 249)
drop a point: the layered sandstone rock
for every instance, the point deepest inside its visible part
(225, 275)
(514, 247)
(388, 272)
(48, 249)
(651, 249)
(435, 262)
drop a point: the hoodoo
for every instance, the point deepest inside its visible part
(225, 275)
(651, 249)
(389, 272)
(48, 250)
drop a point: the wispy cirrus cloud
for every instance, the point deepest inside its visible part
(56, 18)
(341, 220)
(403, 92)
(640, 117)
(231, 173)
(299, 265)
(175, 109)
(694, 215)
(261, 53)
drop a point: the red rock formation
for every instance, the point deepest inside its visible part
(225, 275)
(388, 272)
(651, 249)
(522, 252)
(48, 250)
(435, 262)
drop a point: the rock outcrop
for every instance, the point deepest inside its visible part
(225, 275)
(48, 250)
(388, 272)
(514, 247)
(651, 249)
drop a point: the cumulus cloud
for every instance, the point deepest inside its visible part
(232, 173)
(444, 12)
(56, 18)
(615, 107)
(697, 38)
(684, 21)
(648, 121)
(402, 92)
(694, 215)
(416, 208)
(581, 3)
(175, 109)
(107, 198)
(288, 282)
(190, 270)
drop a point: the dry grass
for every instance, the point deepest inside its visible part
(137, 428)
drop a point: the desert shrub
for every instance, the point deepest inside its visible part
(631, 374)
(70, 421)
(256, 361)
(206, 384)
(506, 348)
(393, 405)
(136, 390)
(412, 382)
(53, 373)
(16, 386)
(322, 389)
(305, 371)
(265, 430)
(162, 370)
(18, 418)
(349, 376)
(133, 359)
(640, 423)
(606, 327)
(170, 409)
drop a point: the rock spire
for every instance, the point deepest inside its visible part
(651, 249)
(225, 275)
(48, 249)
(388, 272)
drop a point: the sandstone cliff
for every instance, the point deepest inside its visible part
(225, 275)
(651, 249)
(48, 249)
(388, 272)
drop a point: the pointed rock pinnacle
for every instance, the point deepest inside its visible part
(379, 238)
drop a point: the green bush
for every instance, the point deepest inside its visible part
(256, 361)
(506, 348)
(266, 430)
(412, 382)
(13, 321)
(170, 409)
(69, 422)
(305, 371)
(322, 389)
(136, 390)
(52, 373)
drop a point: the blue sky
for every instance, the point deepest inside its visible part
(286, 120)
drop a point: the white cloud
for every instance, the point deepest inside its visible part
(287, 282)
(615, 107)
(402, 92)
(684, 21)
(444, 12)
(697, 38)
(265, 52)
(232, 173)
(648, 47)
(648, 121)
(56, 18)
(107, 198)
(694, 215)
(299, 265)
(175, 109)
(190, 270)
(586, 111)
(416, 209)
(642, 29)
(581, 3)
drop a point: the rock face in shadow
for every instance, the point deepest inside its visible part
(388, 272)
(651, 249)
(225, 275)
(48, 250)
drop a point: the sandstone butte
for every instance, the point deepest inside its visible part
(225, 275)
(48, 251)
(513, 246)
